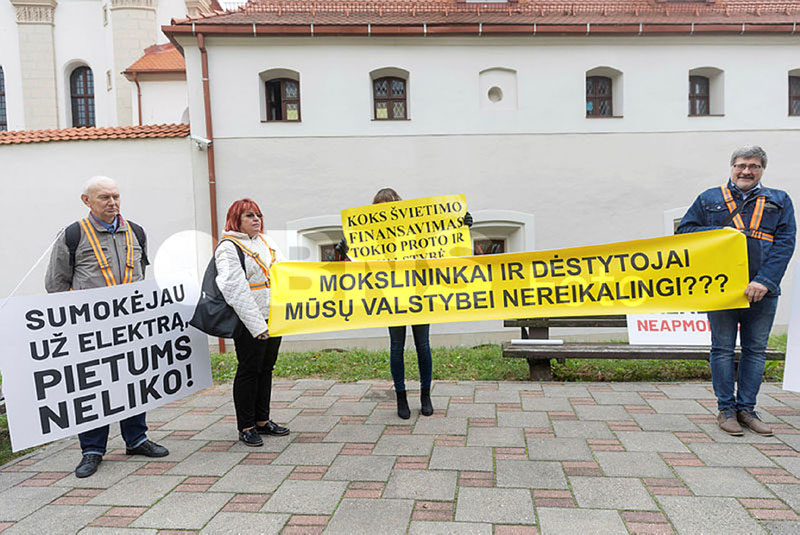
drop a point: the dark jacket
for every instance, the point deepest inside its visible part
(767, 260)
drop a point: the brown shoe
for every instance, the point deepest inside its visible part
(750, 419)
(726, 420)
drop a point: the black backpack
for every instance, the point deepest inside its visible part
(213, 315)
(72, 235)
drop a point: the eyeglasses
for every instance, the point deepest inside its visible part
(252, 215)
(749, 167)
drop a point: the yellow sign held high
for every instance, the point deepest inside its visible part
(432, 227)
(689, 272)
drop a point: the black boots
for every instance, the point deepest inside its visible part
(425, 400)
(402, 405)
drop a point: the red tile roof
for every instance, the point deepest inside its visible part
(282, 15)
(78, 134)
(159, 58)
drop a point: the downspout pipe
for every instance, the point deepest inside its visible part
(212, 175)
(138, 96)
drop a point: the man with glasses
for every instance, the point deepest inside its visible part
(102, 249)
(766, 217)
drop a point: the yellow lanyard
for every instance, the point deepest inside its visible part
(102, 261)
(755, 219)
(255, 256)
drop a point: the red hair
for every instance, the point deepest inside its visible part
(235, 213)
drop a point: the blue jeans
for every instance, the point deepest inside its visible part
(133, 429)
(754, 324)
(397, 344)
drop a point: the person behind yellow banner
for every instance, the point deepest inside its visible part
(104, 253)
(397, 335)
(248, 293)
(397, 344)
(766, 216)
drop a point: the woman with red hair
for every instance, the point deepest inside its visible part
(244, 258)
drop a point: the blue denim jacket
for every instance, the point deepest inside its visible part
(767, 260)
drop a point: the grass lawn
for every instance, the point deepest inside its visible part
(482, 363)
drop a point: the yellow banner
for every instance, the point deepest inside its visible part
(432, 227)
(690, 272)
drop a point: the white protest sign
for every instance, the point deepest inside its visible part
(679, 329)
(791, 370)
(74, 361)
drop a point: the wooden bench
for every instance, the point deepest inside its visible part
(538, 356)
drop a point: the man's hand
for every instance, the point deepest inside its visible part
(263, 336)
(755, 291)
(468, 219)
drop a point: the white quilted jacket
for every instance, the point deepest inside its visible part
(251, 305)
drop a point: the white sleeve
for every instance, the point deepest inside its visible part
(236, 290)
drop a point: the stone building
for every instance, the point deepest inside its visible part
(62, 62)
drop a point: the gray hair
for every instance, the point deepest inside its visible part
(750, 151)
(96, 181)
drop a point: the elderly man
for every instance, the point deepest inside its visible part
(102, 249)
(766, 217)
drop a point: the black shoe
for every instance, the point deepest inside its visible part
(425, 402)
(271, 428)
(148, 448)
(251, 438)
(88, 465)
(402, 405)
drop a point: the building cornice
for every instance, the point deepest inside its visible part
(195, 27)
(34, 11)
(133, 4)
(198, 7)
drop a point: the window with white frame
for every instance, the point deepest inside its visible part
(389, 94)
(280, 95)
(603, 92)
(706, 92)
(315, 238)
(502, 231)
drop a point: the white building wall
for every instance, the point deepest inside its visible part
(444, 74)
(43, 182)
(164, 100)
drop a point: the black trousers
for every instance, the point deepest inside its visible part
(252, 385)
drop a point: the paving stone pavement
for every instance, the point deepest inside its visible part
(496, 458)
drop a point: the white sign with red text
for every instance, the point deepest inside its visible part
(679, 329)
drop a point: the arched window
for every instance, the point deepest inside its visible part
(3, 113)
(389, 96)
(283, 99)
(706, 92)
(81, 87)
(698, 95)
(598, 96)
